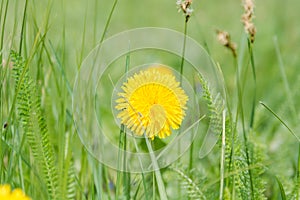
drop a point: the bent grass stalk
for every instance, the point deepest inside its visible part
(281, 120)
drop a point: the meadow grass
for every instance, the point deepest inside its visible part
(257, 155)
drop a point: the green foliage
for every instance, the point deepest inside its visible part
(241, 181)
(35, 129)
(188, 185)
(55, 37)
(34, 125)
(282, 192)
(215, 106)
(257, 157)
(295, 193)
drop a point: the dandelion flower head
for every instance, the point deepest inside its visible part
(16, 194)
(152, 103)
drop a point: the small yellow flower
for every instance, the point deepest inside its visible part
(16, 194)
(152, 102)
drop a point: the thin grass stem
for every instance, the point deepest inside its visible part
(153, 186)
(122, 146)
(3, 28)
(279, 118)
(95, 21)
(108, 21)
(298, 174)
(282, 192)
(250, 48)
(241, 111)
(285, 80)
(181, 74)
(222, 161)
(33, 51)
(22, 28)
(183, 50)
(126, 175)
(2, 68)
(120, 171)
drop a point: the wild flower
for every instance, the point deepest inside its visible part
(152, 102)
(16, 194)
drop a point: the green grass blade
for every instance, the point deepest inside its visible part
(298, 175)
(282, 192)
(250, 48)
(285, 80)
(3, 27)
(279, 118)
(119, 171)
(108, 21)
(22, 28)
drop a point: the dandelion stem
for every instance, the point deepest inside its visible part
(160, 183)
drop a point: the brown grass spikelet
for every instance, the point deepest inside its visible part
(225, 40)
(185, 6)
(247, 18)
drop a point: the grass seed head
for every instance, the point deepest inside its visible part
(247, 18)
(224, 39)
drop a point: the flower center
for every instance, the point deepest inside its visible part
(157, 117)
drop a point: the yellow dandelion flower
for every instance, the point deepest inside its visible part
(152, 102)
(16, 194)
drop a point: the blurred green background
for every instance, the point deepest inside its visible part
(74, 28)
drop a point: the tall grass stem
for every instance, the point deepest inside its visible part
(222, 161)
(240, 110)
(250, 48)
(22, 28)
